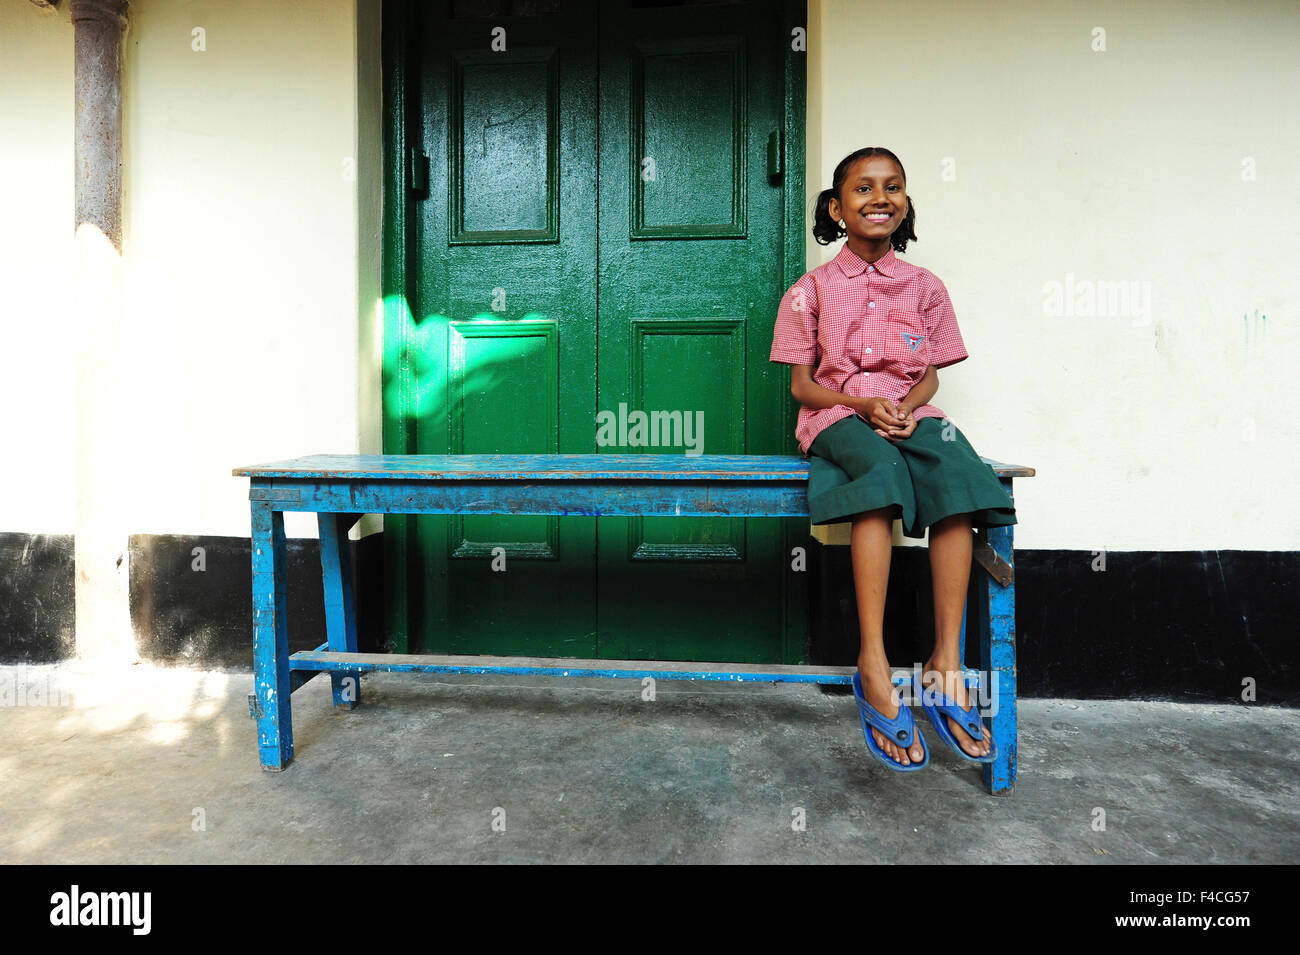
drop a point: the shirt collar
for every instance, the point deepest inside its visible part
(852, 264)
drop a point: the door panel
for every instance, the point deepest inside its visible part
(525, 353)
(681, 364)
(687, 105)
(507, 312)
(504, 146)
(690, 276)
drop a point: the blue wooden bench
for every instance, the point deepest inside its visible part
(340, 488)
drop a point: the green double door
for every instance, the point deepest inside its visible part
(601, 237)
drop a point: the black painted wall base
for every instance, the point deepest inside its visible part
(191, 598)
(205, 617)
(1178, 625)
(37, 598)
(1162, 625)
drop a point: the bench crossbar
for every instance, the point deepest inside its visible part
(316, 660)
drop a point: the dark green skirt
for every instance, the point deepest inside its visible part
(931, 475)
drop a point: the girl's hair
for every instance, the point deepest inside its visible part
(826, 230)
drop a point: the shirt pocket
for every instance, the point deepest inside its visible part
(906, 343)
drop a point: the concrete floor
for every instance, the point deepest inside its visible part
(160, 765)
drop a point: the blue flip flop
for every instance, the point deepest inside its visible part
(899, 730)
(937, 706)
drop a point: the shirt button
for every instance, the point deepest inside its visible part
(871, 305)
(868, 351)
(871, 268)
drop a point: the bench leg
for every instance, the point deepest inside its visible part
(997, 616)
(271, 691)
(340, 615)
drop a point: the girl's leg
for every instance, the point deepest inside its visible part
(950, 557)
(871, 542)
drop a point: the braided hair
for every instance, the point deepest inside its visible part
(826, 230)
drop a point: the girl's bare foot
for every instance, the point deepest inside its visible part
(878, 689)
(954, 687)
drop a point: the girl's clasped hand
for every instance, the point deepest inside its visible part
(889, 420)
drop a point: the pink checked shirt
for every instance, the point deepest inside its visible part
(868, 330)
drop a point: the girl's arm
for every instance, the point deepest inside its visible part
(812, 395)
(921, 392)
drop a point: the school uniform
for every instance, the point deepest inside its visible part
(870, 330)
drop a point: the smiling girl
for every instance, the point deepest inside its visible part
(866, 334)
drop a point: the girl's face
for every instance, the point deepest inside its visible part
(873, 199)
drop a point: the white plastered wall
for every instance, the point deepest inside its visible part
(242, 247)
(250, 324)
(1172, 430)
(37, 357)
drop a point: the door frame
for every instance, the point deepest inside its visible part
(397, 378)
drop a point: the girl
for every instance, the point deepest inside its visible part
(866, 334)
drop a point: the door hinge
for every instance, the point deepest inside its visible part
(774, 157)
(419, 172)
